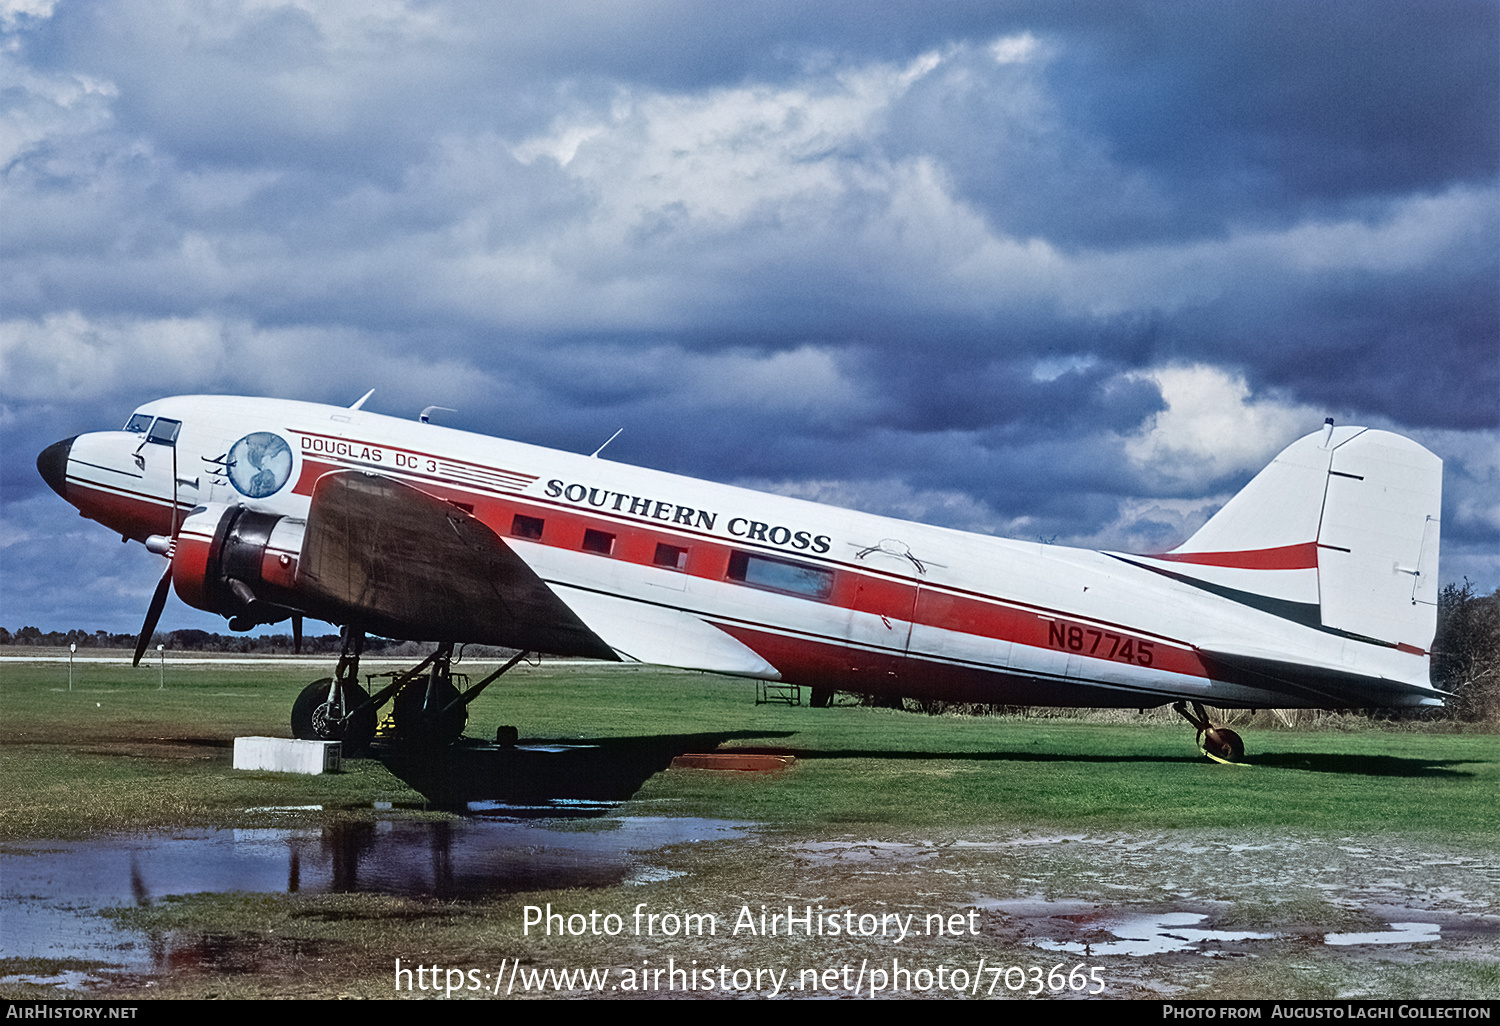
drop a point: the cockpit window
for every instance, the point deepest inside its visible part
(164, 431)
(138, 423)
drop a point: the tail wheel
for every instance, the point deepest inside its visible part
(346, 716)
(1221, 743)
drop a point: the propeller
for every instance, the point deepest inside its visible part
(166, 547)
(153, 613)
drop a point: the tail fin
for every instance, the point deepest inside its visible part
(1340, 531)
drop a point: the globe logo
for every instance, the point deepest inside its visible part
(259, 464)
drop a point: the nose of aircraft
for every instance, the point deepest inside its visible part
(52, 464)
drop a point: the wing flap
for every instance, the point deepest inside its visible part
(650, 633)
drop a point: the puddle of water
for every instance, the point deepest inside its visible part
(1399, 933)
(286, 808)
(51, 890)
(71, 979)
(1153, 934)
(552, 808)
(650, 876)
(533, 746)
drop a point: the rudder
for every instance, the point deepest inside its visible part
(1340, 531)
(1378, 540)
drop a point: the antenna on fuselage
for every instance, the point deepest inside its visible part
(427, 412)
(611, 438)
(361, 400)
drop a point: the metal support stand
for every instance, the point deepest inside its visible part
(768, 692)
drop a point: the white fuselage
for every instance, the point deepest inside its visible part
(822, 596)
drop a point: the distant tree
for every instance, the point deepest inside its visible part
(192, 640)
(1466, 651)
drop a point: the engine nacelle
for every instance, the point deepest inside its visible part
(238, 563)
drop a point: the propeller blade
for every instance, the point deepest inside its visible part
(153, 613)
(297, 633)
(159, 598)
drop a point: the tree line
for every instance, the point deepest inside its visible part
(191, 640)
(1466, 651)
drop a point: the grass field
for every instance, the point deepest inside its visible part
(1334, 830)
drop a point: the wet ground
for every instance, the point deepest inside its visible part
(1161, 913)
(52, 891)
(1165, 912)
(1153, 893)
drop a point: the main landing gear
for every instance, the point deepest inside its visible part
(427, 709)
(1218, 743)
(336, 708)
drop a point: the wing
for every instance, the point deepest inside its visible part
(405, 564)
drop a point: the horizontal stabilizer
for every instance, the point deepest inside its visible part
(663, 636)
(1312, 682)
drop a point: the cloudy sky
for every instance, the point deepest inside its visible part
(1047, 270)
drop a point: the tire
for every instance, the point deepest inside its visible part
(311, 719)
(1224, 743)
(423, 721)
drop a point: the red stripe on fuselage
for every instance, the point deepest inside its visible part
(1303, 556)
(132, 514)
(856, 588)
(820, 664)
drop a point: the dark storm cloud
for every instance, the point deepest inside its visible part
(941, 392)
(1431, 349)
(1255, 109)
(1050, 270)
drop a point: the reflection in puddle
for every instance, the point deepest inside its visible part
(51, 889)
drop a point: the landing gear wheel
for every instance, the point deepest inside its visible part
(1222, 743)
(1218, 743)
(426, 715)
(315, 718)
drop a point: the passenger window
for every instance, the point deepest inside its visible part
(598, 541)
(671, 556)
(783, 575)
(526, 527)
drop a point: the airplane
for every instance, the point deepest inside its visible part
(1313, 587)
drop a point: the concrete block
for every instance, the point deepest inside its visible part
(284, 755)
